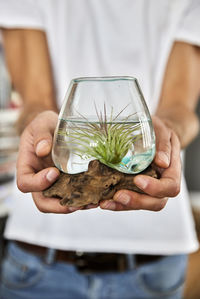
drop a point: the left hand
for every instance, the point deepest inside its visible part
(156, 191)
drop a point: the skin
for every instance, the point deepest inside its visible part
(31, 71)
(175, 125)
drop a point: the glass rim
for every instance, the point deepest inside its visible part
(104, 78)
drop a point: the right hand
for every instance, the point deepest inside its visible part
(156, 191)
(35, 168)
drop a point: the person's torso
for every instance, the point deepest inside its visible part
(109, 38)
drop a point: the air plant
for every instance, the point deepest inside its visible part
(107, 140)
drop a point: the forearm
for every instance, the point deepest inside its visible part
(180, 92)
(183, 121)
(30, 70)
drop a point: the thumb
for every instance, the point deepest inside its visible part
(43, 146)
(43, 129)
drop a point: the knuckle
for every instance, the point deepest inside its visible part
(157, 192)
(41, 208)
(21, 186)
(135, 204)
(157, 209)
(159, 206)
(175, 190)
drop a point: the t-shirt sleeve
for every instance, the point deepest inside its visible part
(21, 14)
(189, 26)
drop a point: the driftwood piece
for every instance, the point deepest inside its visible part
(98, 183)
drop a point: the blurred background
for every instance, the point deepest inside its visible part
(192, 173)
(10, 103)
(9, 140)
(192, 170)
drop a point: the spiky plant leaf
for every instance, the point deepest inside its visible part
(105, 140)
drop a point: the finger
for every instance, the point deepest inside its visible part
(128, 200)
(28, 181)
(163, 143)
(51, 205)
(110, 204)
(43, 147)
(169, 183)
(43, 132)
(31, 142)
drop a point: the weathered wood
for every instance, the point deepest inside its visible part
(98, 183)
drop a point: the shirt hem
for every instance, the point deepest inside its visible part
(21, 25)
(152, 248)
(188, 39)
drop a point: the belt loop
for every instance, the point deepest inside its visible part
(50, 256)
(131, 261)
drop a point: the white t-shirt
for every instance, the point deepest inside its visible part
(108, 38)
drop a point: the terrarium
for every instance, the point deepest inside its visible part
(103, 119)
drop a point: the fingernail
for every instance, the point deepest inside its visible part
(52, 175)
(123, 198)
(141, 182)
(109, 205)
(41, 146)
(163, 157)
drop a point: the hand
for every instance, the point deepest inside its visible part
(35, 171)
(29, 112)
(156, 191)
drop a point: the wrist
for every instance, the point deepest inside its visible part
(185, 127)
(174, 126)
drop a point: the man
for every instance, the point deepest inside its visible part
(158, 44)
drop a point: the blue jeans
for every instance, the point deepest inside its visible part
(26, 276)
